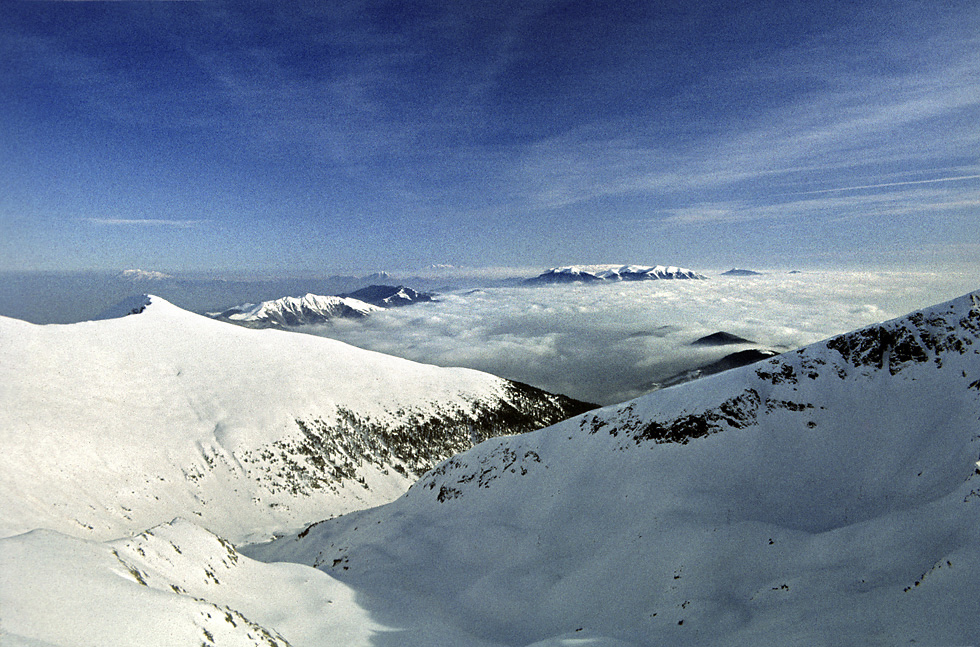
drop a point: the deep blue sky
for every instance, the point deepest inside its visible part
(292, 137)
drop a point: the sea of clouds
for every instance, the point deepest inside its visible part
(612, 342)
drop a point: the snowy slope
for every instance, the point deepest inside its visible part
(597, 273)
(827, 496)
(113, 426)
(170, 586)
(177, 585)
(296, 311)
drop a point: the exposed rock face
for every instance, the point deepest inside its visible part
(721, 338)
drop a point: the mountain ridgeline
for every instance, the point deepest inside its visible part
(249, 431)
(389, 296)
(611, 273)
(295, 311)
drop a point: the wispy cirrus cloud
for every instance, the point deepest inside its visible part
(147, 222)
(848, 135)
(829, 205)
(958, 178)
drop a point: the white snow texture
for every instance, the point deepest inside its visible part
(827, 496)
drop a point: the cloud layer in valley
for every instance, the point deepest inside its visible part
(609, 343)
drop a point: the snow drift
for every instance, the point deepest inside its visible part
(172, 585)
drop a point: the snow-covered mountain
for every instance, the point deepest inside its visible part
(113, 426)
(389, 296)
(295, 311)
(597, 273)
(138, 276)
(826, 496)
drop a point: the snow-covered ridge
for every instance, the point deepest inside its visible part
(828, 495)
(296, 311)
(596, 273)
(389, 296)
(174, 584)
(115, 425)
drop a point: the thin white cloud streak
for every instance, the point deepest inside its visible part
(914, 120)
(888, 184)
(859, 206)
(146, 222)
(609, 343)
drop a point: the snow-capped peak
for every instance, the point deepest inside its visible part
(296, 311)
(137, 275)
(596, 273)
(387, 296)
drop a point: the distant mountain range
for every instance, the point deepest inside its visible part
(140, 276)
(741, 272)
(70, 297)
(599, 273)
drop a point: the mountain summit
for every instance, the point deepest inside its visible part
(295, 311)
(112, 426)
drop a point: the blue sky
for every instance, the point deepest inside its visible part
(298, 137)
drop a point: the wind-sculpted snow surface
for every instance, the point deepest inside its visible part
(826, 496)
(109, 427)
(173, 585)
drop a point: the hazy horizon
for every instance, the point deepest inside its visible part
(599, 343)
